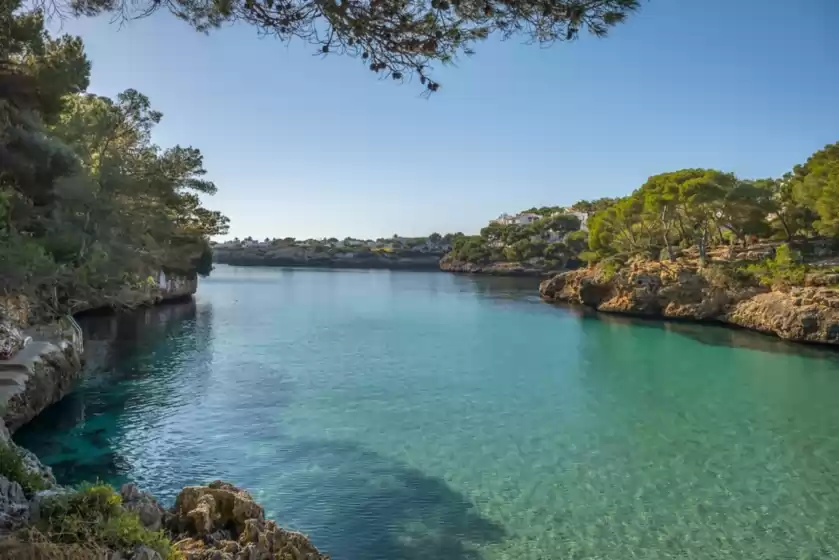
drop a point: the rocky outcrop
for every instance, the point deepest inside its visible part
(681, 290)
(40, 373)
(222, 522)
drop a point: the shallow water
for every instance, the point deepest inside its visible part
(398, 415)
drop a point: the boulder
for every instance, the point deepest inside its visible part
(151, 513)
(14, 507)
(222, 522)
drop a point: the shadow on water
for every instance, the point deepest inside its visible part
(499, 287)
(711, 334)
(358, 504)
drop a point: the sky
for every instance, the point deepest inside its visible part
(308, 146)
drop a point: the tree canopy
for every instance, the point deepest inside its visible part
(698, 207)
(88, 204)
(394, 38)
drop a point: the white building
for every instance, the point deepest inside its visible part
(526, 218)
(521, 219)
(582, 216)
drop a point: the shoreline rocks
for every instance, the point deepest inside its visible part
(301, 259)
(494, 269)
(222, 522)
(681, 290)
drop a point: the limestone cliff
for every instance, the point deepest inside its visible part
(681, 290)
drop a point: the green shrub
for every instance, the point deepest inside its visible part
(93, 515)
(785, 269)
(589, 256)
(608, 268)
(13, 467)
(727, 276)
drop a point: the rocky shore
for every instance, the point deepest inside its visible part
(40, 519)
(404, 260)
(808, 312)
(494, 269)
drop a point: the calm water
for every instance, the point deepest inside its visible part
(427, 416)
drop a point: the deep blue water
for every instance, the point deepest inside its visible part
(399, 415)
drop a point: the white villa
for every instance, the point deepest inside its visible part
(525, 218)
(521, 219)
(582, 216)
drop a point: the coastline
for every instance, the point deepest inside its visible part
(680, 291)
(218, 521)
(495, 269)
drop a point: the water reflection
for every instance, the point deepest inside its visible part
(709, 333)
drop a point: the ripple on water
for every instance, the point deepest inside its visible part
(421, 415)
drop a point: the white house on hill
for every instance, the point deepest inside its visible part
(521, 219)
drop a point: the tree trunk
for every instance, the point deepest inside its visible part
(702, 245)
(667, 245)
(785, 226)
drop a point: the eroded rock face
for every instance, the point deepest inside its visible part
(14, 507)
(680, 290)
(222, 522)
(151, 513)
(34, 378)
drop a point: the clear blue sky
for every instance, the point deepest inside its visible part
(303, 146)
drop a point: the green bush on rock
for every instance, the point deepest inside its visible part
(87, 522)
(13, 467)
(785, 269)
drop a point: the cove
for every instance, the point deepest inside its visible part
(411, 415)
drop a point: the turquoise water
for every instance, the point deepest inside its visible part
(428, 416)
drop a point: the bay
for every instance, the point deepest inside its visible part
(409, 415)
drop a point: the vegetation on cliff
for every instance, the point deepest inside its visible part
(705, 207)
(703, 244)
(89, 206)
(550, 243)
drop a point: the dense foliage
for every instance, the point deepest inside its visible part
(702, 207)
(395, 38)
(552, 241)
(89, 206)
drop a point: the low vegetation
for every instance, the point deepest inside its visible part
(784, 269)
(13, 467)
(86, 523)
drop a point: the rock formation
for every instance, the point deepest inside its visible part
(681, 290)
(222, 522)
(447, 264)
